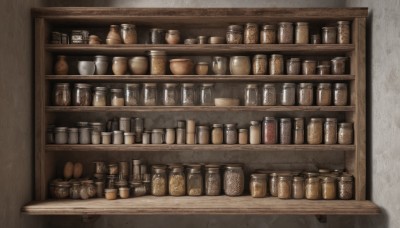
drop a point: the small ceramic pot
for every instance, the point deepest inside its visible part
(219, 65)
(113, 36)
(138, 65)
(172, 37)
(93, 39)
(86, 67)
(101, 63)
(119, 65)
(181, 66)
(202, 68)
(202, 39)
(61, 66)
(240, 65)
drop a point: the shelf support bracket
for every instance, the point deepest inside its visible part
(89, 218)
(322, 218)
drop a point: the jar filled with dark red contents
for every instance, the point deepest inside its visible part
(270, 130)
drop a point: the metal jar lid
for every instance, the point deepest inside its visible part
(251, 86)
(269, 27)
(156, 52)
(217, 125)
(269, 85)
(243, 130)
(131, 86)
(305, 85)
(340, 86)
(60, 129)
(288, 85)
(116, 90)
(119, 58)
(343, 22)
(100, 89)
(259, 176)
(82, 85)
(254, 123)
(72, 129)
(324, 85)
(238, 28)
(329, 28)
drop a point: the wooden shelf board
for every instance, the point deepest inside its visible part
(199, 78)
(207, 205)
(175, 147)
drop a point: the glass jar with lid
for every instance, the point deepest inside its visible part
(251, 33)
(117, 97)
(212, 181)
(309, 67)
(314, 131)
(157, 136)
(285, 33)
(217, 134)
(305, 94)
(313, 188)
(177, 181)
(118, 137)
(270, 131)
(231, 135)
(298, 134)
(260, 64)
(62, 94)
(170, 135)
(329, 35)
(149, 94)
(188, 94)
(324, 94)
(234, 34)
(345, 133)
(255, 132)
(207, 94)
(61, 135)
(276, 64)
(233, 180)
(62, 190)
(298, 187)
(203, 135)
(285, 131)
(345, 187)
(288, 94)
(340, 94)
(158, 62)
(84, 135)
(128, 34)
(328, 188)
(284, 187)
(343, 32)
(268, 34)
(273, 184)
(301, 34)
(338, 65)
(258, 185)
(269, 94)
(251, 96)
(194, 181)
(159, 181)
(74, 190)
(132, 94)
(330, 131)
(82, 95)
(243, 136)
(99, 96)
(170, 94)
(157, 36)
(293, 66)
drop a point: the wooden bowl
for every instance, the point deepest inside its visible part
(181, 66)
(226, 102)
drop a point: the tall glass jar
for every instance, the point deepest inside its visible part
(293, 66)
(268, 34)
(255, 132)
(207, 94)
(177, 181)
(170, 94)
(314, 131)
(284, 187)
(270, 131)
(285, 131)
(298, 188)
(203, 135)
(273, 184)
(61, 135)
(258, 185)
(288, 94)
(73, 135)
(301, 35)
(305, 94)
(343, 30)
(159, 181)
(269, 94)
(324, 94)
(233, 180)
(328, 188)
(260, 64)
(99, 96)
(345, 133)
(194, 181)
(298, 134)
(251, 33)
(188, 94)
(170, 136)
(285, 33)
(276, 64)
(212, 181)
(231, 135)
(117, 97)
(82, 95)
(340, 94)
(132, 94)
(149, 94)
(313, 188)
(234, 34)
(329, 35)
(84, 135)
(61, 94)
(251, 96)
(75, 189)
(158, 62)
(330, 131)
(128, 34)
(345, 187)
(217, 134)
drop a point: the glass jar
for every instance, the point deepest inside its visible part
(231, 135)
(125, 124)
(95, 137)
(212, 181)
(149, 94)
(284, 187)
(293, 66)
(62, 95)
(298, 188)
(81, 95)
(329, 35)
(314, 131)
(128, 34)
(285, 33)
(324, 94)
(251, 96)
(73, 136)
(269, 94)
(343, 32)
(84, 135)
(117, 97)
(323, 69)
(96, 126)
(217, 134)
(340, 94)
(146, 137)
(106, 137)
(157, 136)
(315, 38)
(203, 135)
(301, 34)
(99, 97)
(268, 34)
(273, 184)
(338, 65)
(131, 94)
(288, 94)
(158, 62)
(345, 133)
(276, 64)
(313, 188)
(285, 131)
(118, 137)
(270, 130)
(243, 137)
(251, 33)
(233, 180)
(328, 188)
(170, 136)
(62, 190)
(194, 181)
(298, 134)
(234, 34)
(177, 181)
(207, 94)
(74, 190)
(330, 131)
(188, 94)
(305, 94)
(180, 135)
(88, 185)
(170, 94)
(61, 135)
(255, 132)
(159, 181)
(258, 185)
(157, 36)
(260, 64)
(309, 67)
(345, 187)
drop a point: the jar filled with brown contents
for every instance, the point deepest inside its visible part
(217, 134)
(345, 133)
(309, 67)
(313, 188)
(324, 94)
(270, 131)
(117, 97)
(203, 135)
(298, 187)
(345, 187)
(293, 66)
(177, 181)
(128, 34)
(330, 131)
(212, 181)
(338, 65)
(258, 185)
(149, 94)
(157, 36)
(273, 184)
(284, 187)
(343, 32)
(61, 95)
(251, 96)
(170, 94)
(301, 34)
(269, 94)
(243, 136)
(82, 95)
(298, 131)
(194, 181)
(329, 35)
(268, 34)
(231, 135)
(234, 34)
(132, 94)
(285, 33)
(251, 33)
(99, 96)
(158, 62)
(288, 94)
(324, 69)
(276, 64)
(285, 131)
(305, 94)
(255, 132)
(159, 181)
(340, 94)
(328, 188)
(260, 64)
(233, 180)
(314, 131)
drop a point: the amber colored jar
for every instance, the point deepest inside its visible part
(329, 35)
(285, 33)
(340, 94)
(250, 33)
(234, 34)
(305, 94)
(172, 37)
(61, 66)
(284, 187)
(330, 131)
(345, 133)
(309, 67)
(324, 94)
(298, 187)
(217, 134)
(343, 32)
(293, 66)
(314, 131)
(270, 131)
(268, 34)
(177, 181)
(301, 33)
(276, 64)
(285, 131)
(243, 136)
(345, 187)
(258, 185)
(260, 65)
(298, 131)
(328, 188)
(113, 36)
(313, 188)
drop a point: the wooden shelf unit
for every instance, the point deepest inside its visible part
(197, 22)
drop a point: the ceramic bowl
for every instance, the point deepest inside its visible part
(181, 66)
(86, 67)
(226, 102)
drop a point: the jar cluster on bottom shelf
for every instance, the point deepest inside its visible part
(113, 180)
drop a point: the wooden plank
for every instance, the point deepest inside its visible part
(205, 205)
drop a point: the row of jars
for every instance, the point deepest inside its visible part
(238, 65)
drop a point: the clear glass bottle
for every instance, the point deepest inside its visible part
(149, 94)
(328, 188)
(81, 95)
(276, 64)
(132, 94)
(217, 134)
(288, 94)
(340, 94)
(330, 131)
(298, 187)
(233, 180)
(170, 94)
(177, 181)
(269, 94)
(99, 96)
(255, 132)
(159, 181)
(285, 131)
(293, 66)
(324, 94)
(207, 94)
(194, 181)
(234, 34)
(158, 62)
(329, 35)
(231, 135)
(313, 188)
(285, 33)
(314, 131)
(298, 134)
(343, 32)
(301, 34)
(270, 131)
(345, 133)
(260, 64)
(284, 187)
(251, 33)
(268, 34)
(251, 96)
(305, 94)
(212, 181)
(345, 187)
(188, 94)
(258, 185)
(203, 135)
(117, 97)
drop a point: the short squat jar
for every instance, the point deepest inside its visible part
(345, 187)
(285, 32)
(343, 32)
(284, 187)
(258, 185)
(305, 94)
(158, 62)
(324, 94)
(314, 131)
(293, 66)
(149, 94)
(231, 135)
(62, 95)
(329, 35)
(313, 188)
(340, 94)
(345, 133)
(309, 67)
(251, 33)
(157, 36)
(233, 180)
(234, 34)
(268, 34)
(323, 69)
(157, 136)
(61, 135)
(330, 131)
(276, 64)
(288, 94)
(301, 34)
(260, 64)
(240, 65)
(328, 188)
(269, 94)
(251, 96)
(119, 65)
(82, 95)
(270, 131)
